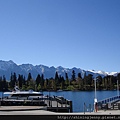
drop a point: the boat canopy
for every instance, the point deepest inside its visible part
(17, 91)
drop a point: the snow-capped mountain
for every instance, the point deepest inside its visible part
(8, 67)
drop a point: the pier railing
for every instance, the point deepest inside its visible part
(59, 103)
(62, 101)
(108, 103)
(87, 108)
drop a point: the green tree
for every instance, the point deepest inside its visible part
(84, 81)
(4, 84)
(38, 80)
(39, 87)
(20, 81)
(118, 78)
(46, 84)
(99, 82)
(54, 86)
(62, 83)
(67, 80)
(31, 84)
(28, 78)
(56, 78)
(73, 76)
(89, 79)
(111, 82)
(50, 83)
(13, 80)
(80, 82)
(106, 83)
(42, 82)
(56, 81)
(0, 83)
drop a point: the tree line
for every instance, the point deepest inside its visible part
(59, 82)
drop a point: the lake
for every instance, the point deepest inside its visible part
(78, 98)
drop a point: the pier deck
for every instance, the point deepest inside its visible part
(55, 104)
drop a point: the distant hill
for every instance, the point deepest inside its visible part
(8, 67)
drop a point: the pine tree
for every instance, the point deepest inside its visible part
(38, 80)
(4, 84)
(56, 78)
(84, 81)
(29, 78)
(31, 85)
(0, 83)
(62, 83)
(89, 79)
(80, 81)
(73, 75)
(46, 85)
(56, 81)
(13, 80)
(118, 78)
(106, 83)
(67, 80)
(42, 82)
(99, 82)
(20, 79)
(54, 86)
(111, 82)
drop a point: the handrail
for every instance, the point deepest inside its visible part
(110, 99)
(106, 103)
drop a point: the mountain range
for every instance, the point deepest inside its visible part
(8, 67)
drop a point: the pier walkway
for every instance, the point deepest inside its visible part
(54, 103)
(112, 103)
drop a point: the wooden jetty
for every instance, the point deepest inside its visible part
(54, 103)
(112, 103)
(59, 104)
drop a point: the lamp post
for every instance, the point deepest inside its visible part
(95, 99)
(117, 88)
(49, 97)
(0, 101)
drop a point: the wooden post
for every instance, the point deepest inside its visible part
(50, 102)
(118, 106)
(65, 103)
(0, 102)
(70, 103)
(84, 108)
(61, 102)
(57, 103)
(90, 107)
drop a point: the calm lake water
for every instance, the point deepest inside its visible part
(80, 97)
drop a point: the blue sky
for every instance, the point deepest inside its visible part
(69, 33)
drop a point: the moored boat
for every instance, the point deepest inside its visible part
(29, 97)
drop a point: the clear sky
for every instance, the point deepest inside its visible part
(68, 33)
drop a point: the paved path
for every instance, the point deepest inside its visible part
(44, 112)
(39, 110)
(22, 108)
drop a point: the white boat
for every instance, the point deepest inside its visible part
(18, 94)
